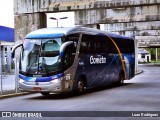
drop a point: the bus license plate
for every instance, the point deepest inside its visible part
(37, 89)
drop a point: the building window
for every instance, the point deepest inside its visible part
(142, 56)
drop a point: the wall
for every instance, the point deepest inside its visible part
(26, 23)
(137, 18)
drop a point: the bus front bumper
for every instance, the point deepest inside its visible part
(54, 86)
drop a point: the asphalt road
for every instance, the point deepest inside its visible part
(142, 93)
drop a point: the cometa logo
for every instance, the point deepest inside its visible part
(97, 60)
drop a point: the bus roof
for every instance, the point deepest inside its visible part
(45, 33)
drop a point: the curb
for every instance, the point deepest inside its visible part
(139, 72)
(14, 95)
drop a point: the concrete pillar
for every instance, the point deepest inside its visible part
(25, 23)
(136, 55)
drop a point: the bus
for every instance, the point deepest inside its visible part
(58, 60)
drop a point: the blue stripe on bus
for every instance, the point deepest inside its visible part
(61, 54)
(43, 36)
(40, 79)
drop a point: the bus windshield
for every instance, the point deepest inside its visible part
(40, 56)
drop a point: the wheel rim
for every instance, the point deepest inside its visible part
(80, 86)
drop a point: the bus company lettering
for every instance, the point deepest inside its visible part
(100, 60)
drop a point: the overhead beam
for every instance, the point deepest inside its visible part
(30, 6)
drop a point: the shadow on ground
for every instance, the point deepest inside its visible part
(71, 95)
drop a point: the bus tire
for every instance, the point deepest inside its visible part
(120, 79)
(45, 93)
(81, 86)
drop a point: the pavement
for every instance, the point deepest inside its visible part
(7, 84)
(9, 87)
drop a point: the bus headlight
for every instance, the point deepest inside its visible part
(21, 81)
(55, 81)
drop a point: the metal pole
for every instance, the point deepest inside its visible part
(58, 19)
(1, 69)
(16, 75)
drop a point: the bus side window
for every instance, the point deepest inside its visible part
(73, 37)
(69, 56)
(85, 45)
(108, 46)
(100, 46)
(125, 45)
(92, 44)
(104, 45)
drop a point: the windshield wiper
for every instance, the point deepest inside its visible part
(40, 55)
(43, 66)
(31, 64)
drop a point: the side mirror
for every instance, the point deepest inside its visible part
(63, 47)
(14, 48)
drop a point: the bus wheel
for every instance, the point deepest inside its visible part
(121, 79)
(45, 93)
(80, 88)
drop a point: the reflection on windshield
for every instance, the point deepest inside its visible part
(40, 56)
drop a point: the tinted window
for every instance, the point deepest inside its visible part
(87, 44)
(73, 37)
(125, 45)
(143, 56)
(69, 56)
(109, 46)
(97, 44)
